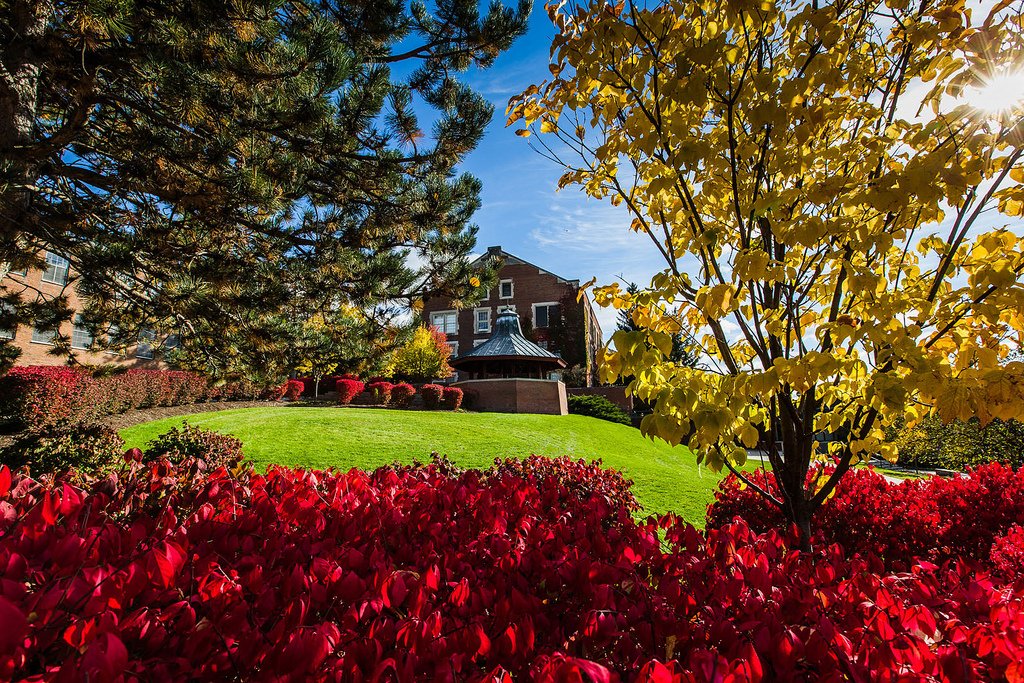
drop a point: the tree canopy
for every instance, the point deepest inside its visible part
(423, 357)
(203, 164)
(839, 221)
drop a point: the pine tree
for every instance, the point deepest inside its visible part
(204, 165)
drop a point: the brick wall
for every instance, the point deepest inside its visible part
(34, 353)
(541, 396)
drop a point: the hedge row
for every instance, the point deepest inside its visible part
(932, 519)
(38, 397)
(382, 392)
(525, 571)
(599, 407)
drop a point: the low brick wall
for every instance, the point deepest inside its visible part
(542, 396)
(615, 394)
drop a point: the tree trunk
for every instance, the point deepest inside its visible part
(19, 102)
(796, 449)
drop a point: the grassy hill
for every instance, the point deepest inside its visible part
(665, 478)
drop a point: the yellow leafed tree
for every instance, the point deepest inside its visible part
(423, 357)
(835, 188)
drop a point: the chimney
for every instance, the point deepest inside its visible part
(494, 251)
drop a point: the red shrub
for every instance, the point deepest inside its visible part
(526, 571)
(293, 389)
(934, 519)
(40, 397)
(275, 392)
(1007, 553)
(431, 394)
(401, 394)
(37, 397)
(381, 392)
(349, 389)
(451, 398)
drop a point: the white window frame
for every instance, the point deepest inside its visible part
(478, 342)
(454, 346)
(451, 312)
(20, 273)
(57, 262)
(80, 331)
(534, 312)
(37, 334)
(511, 289)
(476, 320)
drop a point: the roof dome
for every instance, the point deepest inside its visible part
(508, 343)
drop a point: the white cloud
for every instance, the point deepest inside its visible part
(585, 238)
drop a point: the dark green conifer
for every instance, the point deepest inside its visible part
(203, 164)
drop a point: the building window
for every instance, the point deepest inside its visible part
(145, 348)
(43, 336)
(446, 321)
(20, 273)
(454, 346)
(483, 319)
(505, 289)
(478, 342)
(510, 308)
(7, 332)
(56, 269)
(545, 314)
(81, 338)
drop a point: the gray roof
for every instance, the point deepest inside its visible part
(508, 341)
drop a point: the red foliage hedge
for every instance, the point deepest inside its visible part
(401, 394)
(348, 389)
(381, 391)
(533, 570)
(293, 389)
(431, 394)
(451, 398)
(934, 519)
(38, 397)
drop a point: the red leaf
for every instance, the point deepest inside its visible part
(5, 480)
(105, 659)
(14, 626)
(655, 672)
(168, 559)
(49, 509)
(461, 593)
(594, 671)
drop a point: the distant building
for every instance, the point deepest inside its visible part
(57, 279)
(548, 310)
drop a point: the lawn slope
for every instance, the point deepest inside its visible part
(665, 478)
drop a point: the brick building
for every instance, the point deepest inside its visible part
(57, 279)
(548, 311)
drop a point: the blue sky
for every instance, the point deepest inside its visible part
(564, 232)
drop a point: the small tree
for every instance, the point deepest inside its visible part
(423, 357)
(817, 200)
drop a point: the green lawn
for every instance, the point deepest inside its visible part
(665, 478)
